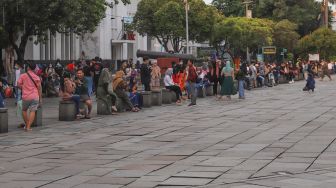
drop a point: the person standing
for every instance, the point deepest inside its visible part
(227, 84)
(30, 84)
(215, 75)
(241, 80)
(192, 77)
(145, 72)
(325, 71)
(155, 76)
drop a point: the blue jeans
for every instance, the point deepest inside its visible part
(2, 102)
(193, 92)
(241, 88)
(76, 99)
(90, 85)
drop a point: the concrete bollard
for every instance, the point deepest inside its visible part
(209, 90)
(156, 98)
(103, 108)
(201, 92)
(38, 118)
(166, 96)
(146, 99)
(3, 120)
(67, 111)
(173, 96)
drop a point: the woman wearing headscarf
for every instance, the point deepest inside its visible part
(119, 87)
(227, 87)
(170, 85)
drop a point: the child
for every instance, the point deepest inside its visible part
(310, 85)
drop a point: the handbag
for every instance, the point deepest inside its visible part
(234, 89)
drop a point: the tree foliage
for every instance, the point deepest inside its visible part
(165, 21)
(304, 13)
(285, 35)
(322, 41)
(230, 7)
(28, 18)
(241, 32)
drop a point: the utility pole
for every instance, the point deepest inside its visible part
(248, 15)
(326, 13)
(187, 23)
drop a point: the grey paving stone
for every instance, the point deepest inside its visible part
(186, 181)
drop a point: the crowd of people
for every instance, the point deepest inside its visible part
(79, 81)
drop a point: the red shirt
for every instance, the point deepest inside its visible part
(192, 75)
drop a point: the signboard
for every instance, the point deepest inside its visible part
(269, 50)
(128, 20)
(260, 57)
(314, 57)
(249, 13)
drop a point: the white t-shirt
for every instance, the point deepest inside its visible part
(330, 66)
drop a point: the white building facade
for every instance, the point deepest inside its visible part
(110, 41)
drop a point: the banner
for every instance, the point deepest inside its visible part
(314, 57)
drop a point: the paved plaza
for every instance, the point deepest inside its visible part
(277, 137)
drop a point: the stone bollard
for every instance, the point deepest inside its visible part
(156, 98)
(3, 120)
(166, 96)
(146, 99)
(38, 118)
(173, 96)
(209, 90)
(103, 108)
(201, 92)
(120, 105)
(67, 111)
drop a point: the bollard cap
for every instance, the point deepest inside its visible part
(3, 110)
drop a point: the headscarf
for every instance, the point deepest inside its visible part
(118, 79)
(169, 71)
(227, 68)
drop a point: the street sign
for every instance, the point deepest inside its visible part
(268, 50)
(128, 20)
(260, 57)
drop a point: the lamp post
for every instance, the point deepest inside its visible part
(187, 24)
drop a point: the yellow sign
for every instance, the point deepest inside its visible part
(269, 50)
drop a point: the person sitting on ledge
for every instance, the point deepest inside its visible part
(170, 85)
(119, 87)
(67, 93)
(104, 92)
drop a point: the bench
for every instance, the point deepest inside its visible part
(166, 96)
(156, 98)
(146, 99)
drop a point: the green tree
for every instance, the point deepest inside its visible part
(229, 7)
(285, 35)
(322, 41)
(28, 18)
(242, 33)
(165, 21)
(304, 13)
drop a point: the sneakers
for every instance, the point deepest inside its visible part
(191, 104)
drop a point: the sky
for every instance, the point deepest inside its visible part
(207, 1)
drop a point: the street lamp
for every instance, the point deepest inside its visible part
(187, 24)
